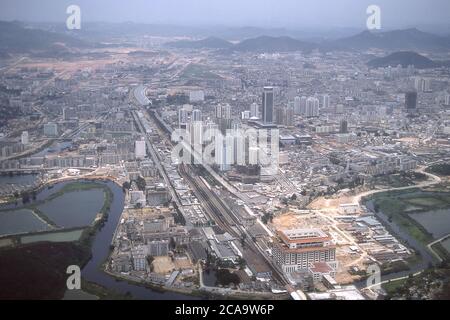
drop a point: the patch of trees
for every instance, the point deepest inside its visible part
(241, 263)
(150, 259)
(177, 98)
(210, 260)
(442, 169)
(267, 217)
(224, 264)
(101, 149)
(376, 207)
(243, 238)
(415, 175)
(172, 243)
(28, 196)
(141, 184)
(225, 277)
(126, 186)
(334, 159)
(178, 217)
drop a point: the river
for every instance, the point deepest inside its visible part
(399, 233)
(101, 246)
(100, 252)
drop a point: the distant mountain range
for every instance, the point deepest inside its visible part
(14, 37)
(259, 44)
(408, 39)
(406, 58)
(210, 43)
(273, 44)
(107, 31)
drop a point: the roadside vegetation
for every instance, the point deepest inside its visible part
(433, 283)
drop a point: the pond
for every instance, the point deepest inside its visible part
(101, 250)
(70, 209)
(436, 222)
(74, 209)
(20, 221)
(446, 244)
(100, 247)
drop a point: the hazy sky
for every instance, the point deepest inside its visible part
(268, 13)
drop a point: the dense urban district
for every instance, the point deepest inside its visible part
(356, 203)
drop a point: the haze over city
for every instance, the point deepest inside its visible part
(252, 150)
(263, 13)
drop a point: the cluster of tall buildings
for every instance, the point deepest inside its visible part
(183, 115)
(266, 113)
(223, 117)
(223, 111)
(306, 106)
(447, 99)
(422, 85)
(187, 114)
(196, 115)
(309, 107)
(285, 116)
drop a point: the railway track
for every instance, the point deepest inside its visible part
(227, 220)
(224, 217)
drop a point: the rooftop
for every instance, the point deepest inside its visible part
(298, 234)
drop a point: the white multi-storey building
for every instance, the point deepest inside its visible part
(299, 249)
(254, 110)
(312, 107)
(325, 101)
(139, 149)
(25, 138)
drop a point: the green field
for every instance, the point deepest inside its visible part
(391, 287)
(63, 236)
(199, 72)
